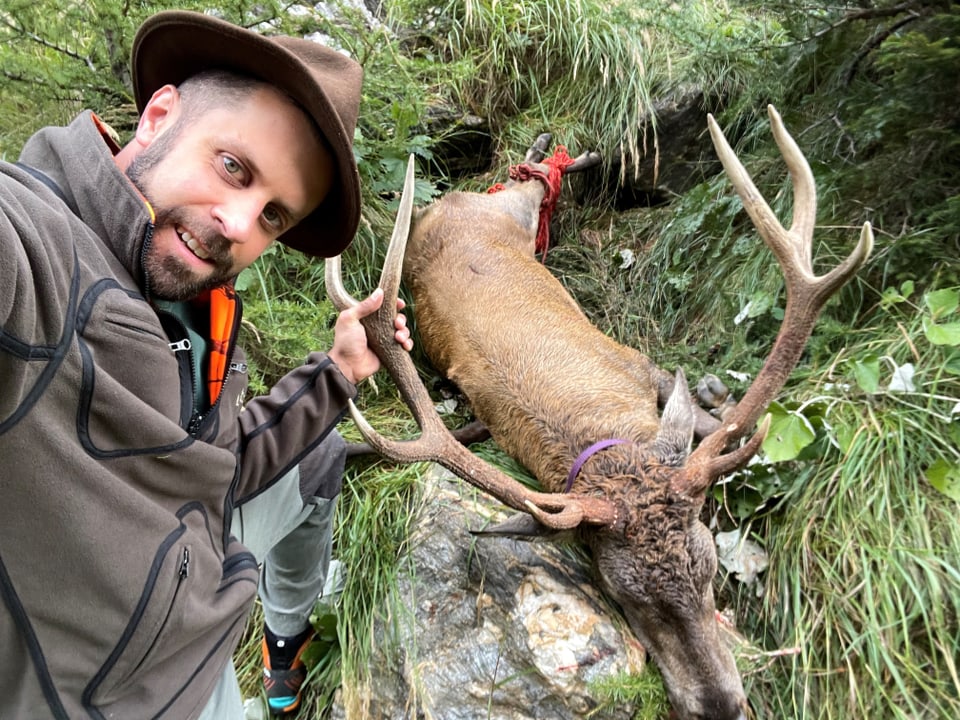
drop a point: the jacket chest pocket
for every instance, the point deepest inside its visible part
(132, 393)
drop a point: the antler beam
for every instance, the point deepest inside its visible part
(807, 293)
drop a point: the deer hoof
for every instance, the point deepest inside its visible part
(538, 150)
(711, 392)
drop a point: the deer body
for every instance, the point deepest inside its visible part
(495, 321)
(548, 385)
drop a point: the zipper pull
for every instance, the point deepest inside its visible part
(185, 563)
(238, 367)
(184, 344)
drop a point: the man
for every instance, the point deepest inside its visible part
(139, 493)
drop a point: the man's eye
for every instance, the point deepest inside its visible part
(231, 165)
(273, 217)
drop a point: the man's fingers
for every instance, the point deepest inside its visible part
(369, 304)
(404, 339)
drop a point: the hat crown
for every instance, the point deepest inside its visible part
(340, 77)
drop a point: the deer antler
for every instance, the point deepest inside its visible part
(807, 293)
(436, 443)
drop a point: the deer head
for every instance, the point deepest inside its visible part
(637, 503)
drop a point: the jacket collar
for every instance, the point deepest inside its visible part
(79, 158)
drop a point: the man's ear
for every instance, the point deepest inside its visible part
(159, 114)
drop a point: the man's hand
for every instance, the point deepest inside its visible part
(350, 350)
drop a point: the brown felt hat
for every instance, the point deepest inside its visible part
(174, 45)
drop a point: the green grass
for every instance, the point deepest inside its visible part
(865, 551)
(864, 576)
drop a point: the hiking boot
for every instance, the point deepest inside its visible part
(283, 670)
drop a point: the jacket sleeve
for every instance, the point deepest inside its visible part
(32, 258)
(38, 281)
(277, 430)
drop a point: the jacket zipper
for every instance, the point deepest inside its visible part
(196, 417)
(184, 345)
(183, 571)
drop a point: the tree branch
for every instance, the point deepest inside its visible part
(875, 42)
(21, 31)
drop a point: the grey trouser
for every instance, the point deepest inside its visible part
(289, 528)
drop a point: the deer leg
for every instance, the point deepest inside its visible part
(714, 395)
(472, 432)
(703, 422)
(538, 151)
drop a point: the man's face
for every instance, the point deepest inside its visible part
(224, 186)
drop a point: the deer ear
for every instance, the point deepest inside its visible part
(675, 437)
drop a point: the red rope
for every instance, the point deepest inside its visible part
(557, 165)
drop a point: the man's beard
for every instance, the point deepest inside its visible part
(168, 277)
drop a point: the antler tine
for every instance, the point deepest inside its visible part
(806, 295)
(557, 511)
(792, 248)
(333, 282)
(393, 261)
(379, 325)
(436, 443)
(804, 187)
(794, 256)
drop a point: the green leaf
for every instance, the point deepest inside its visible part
(891, 296)
(945, 477)
(244, 279)
(867, 373)
(845, 435)
(760, 302)
(424, 191)
(953, 431)
(790, 432)
(942, 302)
(952, 364)
(942, 334)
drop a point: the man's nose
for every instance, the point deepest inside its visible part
(238, 218)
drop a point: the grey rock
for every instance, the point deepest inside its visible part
(492, 628)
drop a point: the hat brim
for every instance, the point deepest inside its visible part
(174, 45)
